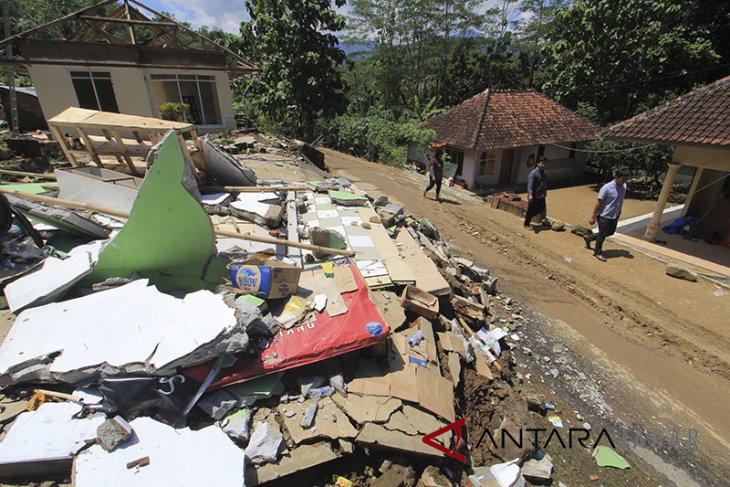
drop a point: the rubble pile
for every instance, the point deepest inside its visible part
(240, 331)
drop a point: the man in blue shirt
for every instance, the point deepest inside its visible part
(607, 211)
(536, 192)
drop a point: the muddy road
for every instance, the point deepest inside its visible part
(635, 351)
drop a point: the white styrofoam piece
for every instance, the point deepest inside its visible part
(360, 241)
(224, 244)
(327, 214)
(53, 279)
(348, 220)
(261, 209)
(178, 457)
(89, 396)
(137, 324)
(371, 268)
(49, 433)
(257, 197)
(322, 200)
(215, 198)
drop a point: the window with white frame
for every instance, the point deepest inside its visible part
(94, 90)
(197, 91)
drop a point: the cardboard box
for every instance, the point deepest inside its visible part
(266, 278)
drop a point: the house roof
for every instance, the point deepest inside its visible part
(28, 90)
(701, 116)
(507, 119)
(114, 24)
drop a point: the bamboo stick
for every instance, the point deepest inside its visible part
(28, 174)
(250, 189)
(221, 233)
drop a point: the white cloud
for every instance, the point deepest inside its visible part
(226, 14)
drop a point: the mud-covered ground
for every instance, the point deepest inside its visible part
(654, 350)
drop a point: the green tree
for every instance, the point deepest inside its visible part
(294, 45)
(623, 57)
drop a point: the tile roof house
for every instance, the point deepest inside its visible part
(495, 137)
(123, 56)
(698, 124)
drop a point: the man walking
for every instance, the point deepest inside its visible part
(536, 192)
(436, 170)
(607, 210)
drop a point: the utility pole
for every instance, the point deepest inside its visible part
(10, 73)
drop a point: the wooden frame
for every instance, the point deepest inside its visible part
(111, 126)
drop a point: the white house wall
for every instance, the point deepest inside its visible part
(56, 92)
(559, 168)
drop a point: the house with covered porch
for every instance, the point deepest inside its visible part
(698, 125)
(496, 136)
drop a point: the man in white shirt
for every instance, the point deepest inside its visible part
(607, 211)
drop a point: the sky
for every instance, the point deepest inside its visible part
(226, 14)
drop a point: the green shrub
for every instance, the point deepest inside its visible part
(176, 112)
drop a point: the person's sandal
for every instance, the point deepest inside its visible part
(600, 257)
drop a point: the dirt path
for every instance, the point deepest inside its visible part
(662, 345)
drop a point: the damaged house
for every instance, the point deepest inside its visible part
(496, 136)
(127, 62)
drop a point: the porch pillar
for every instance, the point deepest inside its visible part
(692, 190)
(653, 227)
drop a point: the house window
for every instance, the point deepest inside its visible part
(197, 91)
(456, 156)
(486, 164)
(571, 154)
(94, 90)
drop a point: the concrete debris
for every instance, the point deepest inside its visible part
(112, 432)
(680, 272)
(264, 445)
(218, 404)
(308, 416)
(432, 477)
(236, 425)
(375, 435)
(538, 471)
(368, 409)
(44, 441)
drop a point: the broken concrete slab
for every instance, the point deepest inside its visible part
(455, 368)
(389, 305)
(167, 332)
(175, 458)
(63, 219)
(44, 441)
(53, 279)
(367, 409)
(301, 458)
(330, 422)
(217, 404)
(375, 435)
(98, 187)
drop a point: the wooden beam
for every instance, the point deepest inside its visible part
(692, 190)
(250, 189)
(52, 23)
(186, 155)
(222, 233)
(111, 140)
(653, 227)
(90, 146)
(132, 37)
(130, 22)
(27, 174)
(62, 144)
(123, 150)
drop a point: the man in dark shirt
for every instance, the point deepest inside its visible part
(435, 170)
(536, 191)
